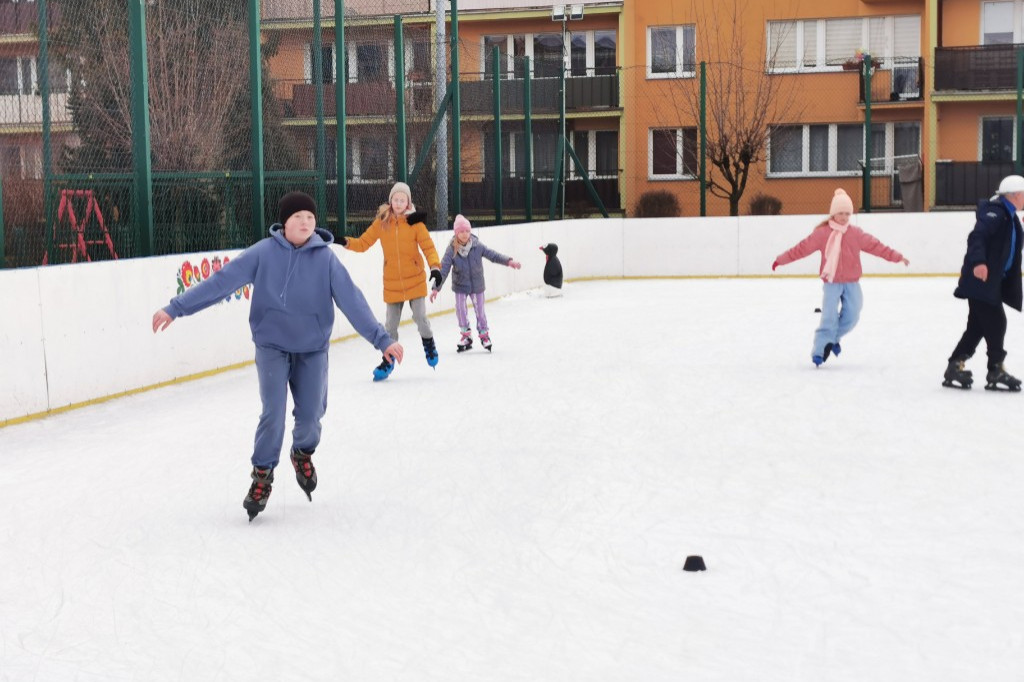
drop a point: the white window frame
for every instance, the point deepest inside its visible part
(680, 70)
(355, 144)
(680, 173)
(1018, 21)
(591, 157)
(32, 87)
(833, 152)
(981, 135)
(882, 61)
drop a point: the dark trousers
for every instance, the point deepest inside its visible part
(984, 321)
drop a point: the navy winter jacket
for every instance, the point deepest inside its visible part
(294, 294)
(989, 243)
(468, 271)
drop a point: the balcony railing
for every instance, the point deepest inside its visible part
(28, 109)
(21, 18)
(898, 80)
(978, 67)
(582, 93)
(963, 183)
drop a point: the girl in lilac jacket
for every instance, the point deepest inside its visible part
(840, 244)
(465, 259)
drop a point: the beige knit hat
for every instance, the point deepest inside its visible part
(841, 203)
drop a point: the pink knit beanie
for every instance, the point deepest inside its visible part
(841, 203)
(461, 224)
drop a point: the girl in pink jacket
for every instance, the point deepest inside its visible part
(840, 244)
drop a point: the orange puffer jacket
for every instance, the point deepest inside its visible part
(402, 243)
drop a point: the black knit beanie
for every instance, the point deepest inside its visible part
(292, 203)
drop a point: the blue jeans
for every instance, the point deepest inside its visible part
(840, 311)
(306, 375)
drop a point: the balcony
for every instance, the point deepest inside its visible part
(963, 183)
(582, 93)
(978, 67)
(898, 80)
(298, 10)
(27, 110)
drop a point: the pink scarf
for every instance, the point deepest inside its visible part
(832, 248)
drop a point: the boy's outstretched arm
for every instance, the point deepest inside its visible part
(161, 320)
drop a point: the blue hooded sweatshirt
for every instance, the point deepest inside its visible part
(295, 290)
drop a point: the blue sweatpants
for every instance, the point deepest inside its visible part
(306, 375)
(840, 311)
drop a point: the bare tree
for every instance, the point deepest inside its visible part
(743, 99)
(197, 58)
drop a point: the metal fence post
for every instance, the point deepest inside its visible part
(498, 161)
(256, 101)
(528, 135)
(141, 156)
(866, 70)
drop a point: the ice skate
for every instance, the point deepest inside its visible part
(957, 376)
(383, 370)
(836, 349)
(817, 360)
(998, 380)
(465, 341)
(259, 491)
(305, 472)
(485, 341)
(430, 350)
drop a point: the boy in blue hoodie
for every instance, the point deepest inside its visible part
(297, 281)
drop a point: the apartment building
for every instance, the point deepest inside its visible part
(21, 105)
(942, 92)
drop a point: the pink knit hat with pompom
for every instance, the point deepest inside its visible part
(841, 203)
(461, 224)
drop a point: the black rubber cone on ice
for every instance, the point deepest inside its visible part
(694, 563)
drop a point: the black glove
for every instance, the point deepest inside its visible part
(416, 217)
(343, 240)
(435, 275)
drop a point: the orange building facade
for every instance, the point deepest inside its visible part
(943, 97)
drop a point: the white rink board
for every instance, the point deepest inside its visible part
(22, 357)
(83, 331)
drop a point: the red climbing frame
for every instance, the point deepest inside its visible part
(78, 243)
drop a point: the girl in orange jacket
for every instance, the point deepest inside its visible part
(406, 244)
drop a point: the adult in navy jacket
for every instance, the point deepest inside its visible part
(990, 277)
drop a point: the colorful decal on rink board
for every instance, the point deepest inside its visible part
(189, 275)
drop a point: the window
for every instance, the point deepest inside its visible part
(547, 55)
(604, 53)
(10, 162)
(825, 44)
(369, 160)
(838, 148)
(20, 76)
(490, 42)
(997, 23)
(672, 153)
(997, 143)
(578, 54)
(589, 53)
(10, 76)
(327, 63)
(598, 151)
(671, 51)
(513, 153)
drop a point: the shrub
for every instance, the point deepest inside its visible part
(765, 204)
(657, 204)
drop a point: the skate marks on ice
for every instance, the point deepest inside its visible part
(527, 516)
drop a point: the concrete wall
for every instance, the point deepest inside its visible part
(75, 333)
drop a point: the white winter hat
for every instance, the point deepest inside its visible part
(1011, 184)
